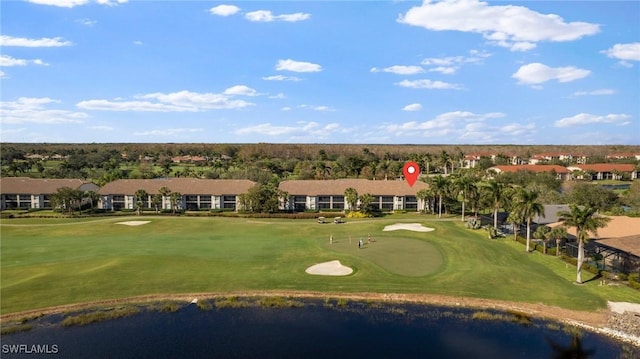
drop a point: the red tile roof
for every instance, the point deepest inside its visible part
(532, 168)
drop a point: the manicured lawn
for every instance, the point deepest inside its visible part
(61, 261)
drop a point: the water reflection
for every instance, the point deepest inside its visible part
(317, 329)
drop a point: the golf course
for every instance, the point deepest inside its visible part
(54, 262)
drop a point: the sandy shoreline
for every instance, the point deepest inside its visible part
(592, 321)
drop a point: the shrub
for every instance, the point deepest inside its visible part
(356, 214)
(205, 305)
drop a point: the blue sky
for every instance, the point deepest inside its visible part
(405, 72)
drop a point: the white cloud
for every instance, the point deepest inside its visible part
(297, 66)
(138, 43)
(3, 75)
(463, 125)
(428, 84)
(301, 129)
(111, 2)
(517, 129)
(267, 16)
(60, 3)
(168, 132)
(400, 70)
(182, 101)
(442, 125)
(412, 107)
(514, 27)
(138, 106)
(482, 132)
(278, 96)
(286, 108)
(629, 52)
(317, 108)
(537, 73)
(599, 92)
(451, 64)
(86, 22)
(281, 78)
(36, 110)
(6, 61)
(74, 3)
(582, 119)
(24, 42)
(224, 10)
(241, 90)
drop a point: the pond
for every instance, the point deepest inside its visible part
(317, 329)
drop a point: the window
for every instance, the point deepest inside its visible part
(386, 203)
(324, 202)
(411, 202)
(46, 201)
(229, 202)
(338, 202)
(205, 202)
(117, 202)
(299, 203)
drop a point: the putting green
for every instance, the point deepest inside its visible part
(394, 253)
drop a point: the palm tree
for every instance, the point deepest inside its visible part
(558, 233)
(156, 200)
(464, 185)
(440, 185)
(444, 160)
(527, 204)
(496, 192)
(515, 219)
(427, 158)
(174, 197)
(425, 195)
(64, 198)
(351, 195)
(586, 221)
(93, 197)
(365, 204)
(141, 196)
(164, 191)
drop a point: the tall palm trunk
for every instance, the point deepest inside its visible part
(495, 217)
(439, 206)
(580, 257)
(463, 207)
(528, 233)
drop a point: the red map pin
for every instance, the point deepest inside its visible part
(411, 171)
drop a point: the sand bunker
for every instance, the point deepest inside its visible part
(416, 227)
(134, 223)
(333, 268)
(621, 307)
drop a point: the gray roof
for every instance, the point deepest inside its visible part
(551, 212)
(26, 185)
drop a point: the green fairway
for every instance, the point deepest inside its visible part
(62, 261)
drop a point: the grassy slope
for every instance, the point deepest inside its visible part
(61, 263)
